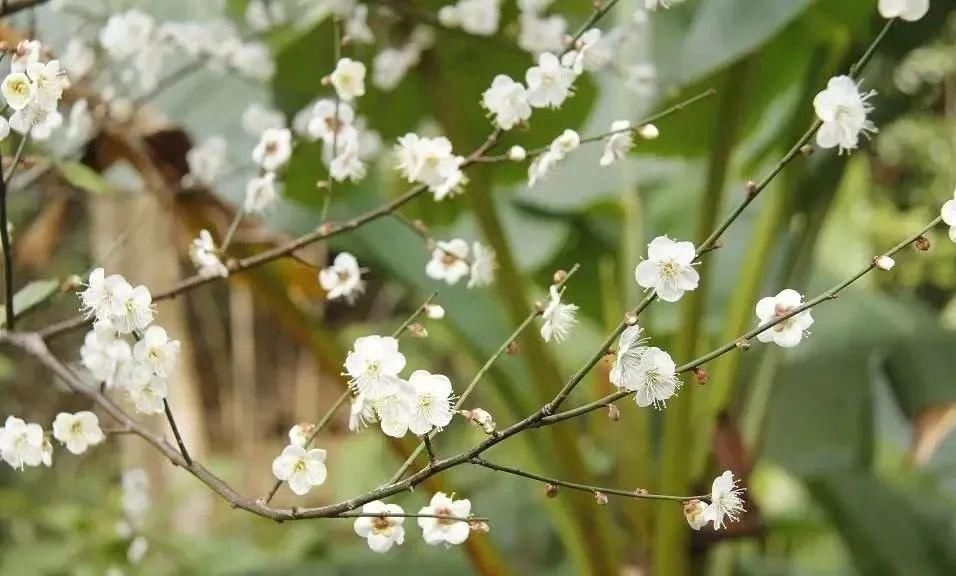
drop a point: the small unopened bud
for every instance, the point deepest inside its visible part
(743, 344)
(480, 418)
(701, 375)
(434, 311)
(613, 413)
(300, 433)
(648, 132)
(559, 276)
(884, 262)
(72, 282)
(326, 80)
(694, 513)
(540, 305)
(600, 497)
(750, 187)
(640, 491)
(479, 526)
(806, 150)
(321, 184)
(513, 348)
(630, 319)
(326, 228)
(550, 490)
(922, 243)
(517, 153)
(417, 330)
(420, 226)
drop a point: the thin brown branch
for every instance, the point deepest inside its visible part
(176, 434)
(638, 493)
(734, 344)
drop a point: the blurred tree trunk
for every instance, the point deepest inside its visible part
(148, 256)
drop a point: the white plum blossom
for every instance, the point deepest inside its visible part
(394, 410)
(361, 413)
(478, 17)
(260, 193)
(274, 149)
(131, 308)
(842, 110)
(445, 530)
(909, 10)
(135, 496)
(669, 268)
(26, 52)
(380, 530)
(77, 431)
(507, 100)
(21, 444)
(206, 162)
(146, 391)
(558, 317)
(948, 214)
(725, 501)
(373, 366)
(627, 360)
(549, 83)
(253, 60)
(100, 292)
(655, 378)
(78, 58)
(348, 79)
(449, 261)
(50, 81)
(80, 123)
(356, 26)
(17, 90)
(483, 265)
(103, 352)
(788, 333)
(124, 33)
(391, 65)
(156, 350)
(343, 279)
(328, 121)
(205, 256)
(539, 35)
(589, 53)
(431, 407)
(557, 151)
(300, 468)
(430, 161)
(137, 550)
(347, 165)
(619, 143)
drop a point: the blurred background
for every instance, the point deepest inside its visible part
(843, 444)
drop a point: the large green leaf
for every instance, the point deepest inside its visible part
(889, 533)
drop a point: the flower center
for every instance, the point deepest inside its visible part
(380, 524)
(444, 512)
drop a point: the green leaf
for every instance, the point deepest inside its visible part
(889, 533)
(31, 295)
(83, 177)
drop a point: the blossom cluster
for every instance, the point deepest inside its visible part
(140, 370)
(451, 261)
(32, 90)
(26, 444)
(445, 521)
(419, 404)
